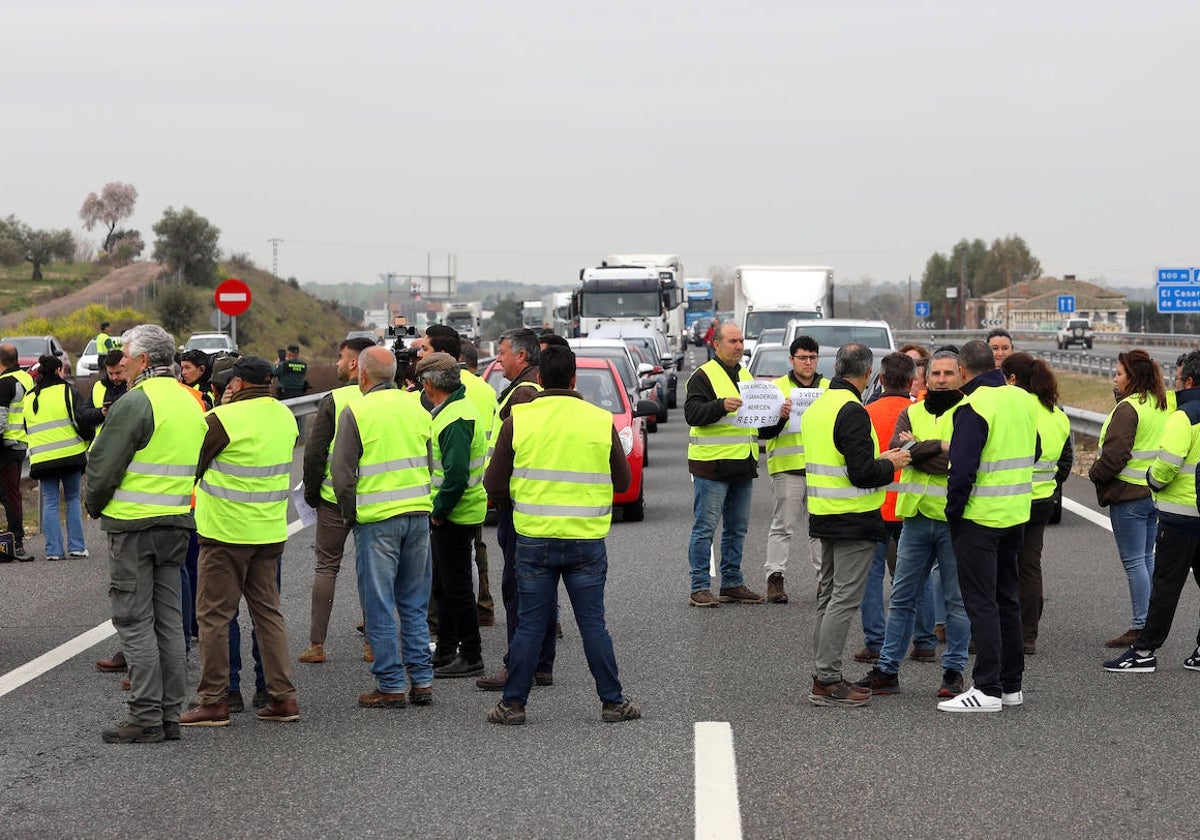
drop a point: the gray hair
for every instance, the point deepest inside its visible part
(523, 338)
(375, 366)
(446, 381)
(976, 357)
(152, 340)
(853, 361)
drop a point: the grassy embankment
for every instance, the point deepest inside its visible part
(18, 292)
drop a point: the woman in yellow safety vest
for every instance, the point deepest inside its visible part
(1129, 441)
(57, 456)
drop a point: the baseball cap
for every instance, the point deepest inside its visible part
(436, 361)
(295, 348)
(253, 369)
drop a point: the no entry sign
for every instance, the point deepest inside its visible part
(232, 297)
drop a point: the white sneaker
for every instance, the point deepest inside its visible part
(1012, 698)
(971, 700)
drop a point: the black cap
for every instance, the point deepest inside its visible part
(252, 369)
(104, 325)
(294, 348)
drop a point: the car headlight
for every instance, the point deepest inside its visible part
(626, 436)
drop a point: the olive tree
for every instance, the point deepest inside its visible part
(188, 243)
(115, 202)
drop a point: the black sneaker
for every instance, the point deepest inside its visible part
(171, 730)
(1130, 663)
(952, 684)
(880, 682)
(1192, 663)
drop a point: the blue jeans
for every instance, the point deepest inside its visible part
(923, 543)
(1135, 525)
(392, 562)
(726, 502)
(235, 647)
(582, 565)
(51, 525)
(875, 614)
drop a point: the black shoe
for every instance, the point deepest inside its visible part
(131, 733)
(459, 667)
(261, 698)
(235, 702)
(22, 555)
(952, 684)
(880, 682)
(171, 730)
(441, 660)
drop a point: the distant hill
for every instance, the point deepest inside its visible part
(374, 295)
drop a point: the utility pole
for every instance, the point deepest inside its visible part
(275, 255)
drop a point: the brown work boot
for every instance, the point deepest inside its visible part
(493, 683)
(939, 630)
(923, 654)
(420, 695)
(116, 664)
(383, 700)
(838, 693)
(281, 710)
(213, 714)
(703, 598)
(775, 593)
(487, 619)
(368, 654)
(126, 685)
(313, 653)
(1125, 640)
(740, 595)
(866, 655)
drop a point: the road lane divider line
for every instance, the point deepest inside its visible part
(1087, 513)
(718, 814)
(50, 660)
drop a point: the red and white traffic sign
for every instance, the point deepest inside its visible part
(232, 297)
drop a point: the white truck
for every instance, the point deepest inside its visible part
(465, 318)
(533, 315)
(626, 294)
(556, 309)
(670, 275)
(768, 296)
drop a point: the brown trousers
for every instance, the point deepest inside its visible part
(330, 545)
(227, 572)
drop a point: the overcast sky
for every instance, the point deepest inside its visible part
(531, 139)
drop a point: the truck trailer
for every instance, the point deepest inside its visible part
(768, 296)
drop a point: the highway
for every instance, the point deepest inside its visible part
(1090, 753)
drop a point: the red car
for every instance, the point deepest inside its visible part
(597, 382)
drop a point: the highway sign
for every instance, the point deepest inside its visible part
(921, 309)
(1179, 290)
(232, 297)
(1066, 304)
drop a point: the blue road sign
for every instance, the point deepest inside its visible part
(1179, 290)
(921, 308)
(1066, 304)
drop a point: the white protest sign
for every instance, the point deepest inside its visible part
(761, 404)
(802, 398)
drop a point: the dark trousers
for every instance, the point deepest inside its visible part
(506, 535)
(190, 628)
(10, 492)
(458, 618)
(1029, 569)
(1176, 552)
(484, 603)
(987, 576)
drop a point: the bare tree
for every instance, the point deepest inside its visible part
(115, 202)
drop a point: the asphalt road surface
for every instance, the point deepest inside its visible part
(1090, 753)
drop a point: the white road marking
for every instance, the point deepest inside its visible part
(718, 814)
(33, 669)
(1087, 513)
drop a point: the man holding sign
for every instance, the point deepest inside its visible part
(785, 464)
(723, 461)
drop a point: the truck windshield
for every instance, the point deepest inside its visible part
(700, 305)
(835, 335)
(621, 305)
(756, 322)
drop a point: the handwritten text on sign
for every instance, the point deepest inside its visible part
(761, 404)
(802, 398)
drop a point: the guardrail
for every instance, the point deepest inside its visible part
(1130, 339)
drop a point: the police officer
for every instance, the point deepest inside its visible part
(989, 496)
(290, 373)
(241, 517)
(557, 461)
(139, 482)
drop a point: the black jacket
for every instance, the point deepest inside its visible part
(852, 437)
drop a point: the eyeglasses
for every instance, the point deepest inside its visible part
(804, 357)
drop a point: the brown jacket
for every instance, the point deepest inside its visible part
(1113, 456)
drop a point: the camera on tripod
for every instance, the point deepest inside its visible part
(406, 357)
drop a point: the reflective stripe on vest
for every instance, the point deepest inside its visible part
(1003, 491)
(159, 479)
(919, 491)
(1150, 422)
(14, 429)
(471, 508)
(829, 489)
(49, 430)
(561, 484)
(393, 470)
(1054, 427)
(722, 441)
(1181, 451)
(341, 398)
(785, 451)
